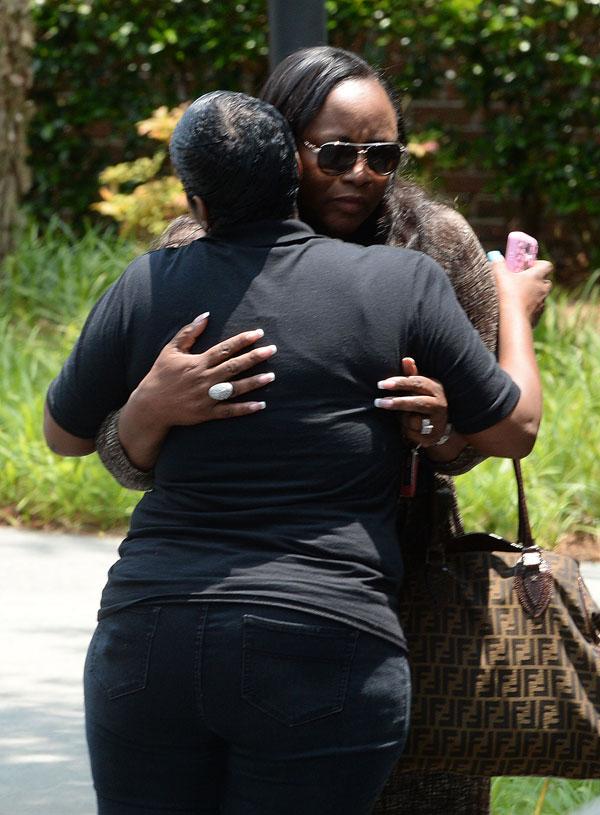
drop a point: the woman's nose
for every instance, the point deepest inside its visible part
(359, 173)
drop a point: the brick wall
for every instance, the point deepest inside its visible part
(493, 216)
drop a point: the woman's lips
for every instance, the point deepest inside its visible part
(350, 204)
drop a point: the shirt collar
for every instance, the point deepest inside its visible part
(264, 233)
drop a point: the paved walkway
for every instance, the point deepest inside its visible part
(49, 591)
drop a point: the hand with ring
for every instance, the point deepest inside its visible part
(422, 404)
(183, 388)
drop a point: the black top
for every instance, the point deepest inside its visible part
(294, 505)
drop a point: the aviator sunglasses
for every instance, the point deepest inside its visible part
(338, 157)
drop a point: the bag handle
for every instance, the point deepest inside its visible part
(488, 542)
(524, 535)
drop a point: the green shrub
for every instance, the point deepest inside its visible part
(140, 195)
(100, 66)
(530, 67)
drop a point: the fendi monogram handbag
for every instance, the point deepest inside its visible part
(504, 643)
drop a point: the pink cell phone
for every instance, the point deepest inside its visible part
(521, 251)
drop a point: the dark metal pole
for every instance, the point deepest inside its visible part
(295, 24)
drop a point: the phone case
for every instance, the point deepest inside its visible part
(521, 251)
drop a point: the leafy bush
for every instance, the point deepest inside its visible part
(530, 69)
(100, 66)
(155, 197)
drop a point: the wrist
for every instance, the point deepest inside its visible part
(140, 412)
(140, 434)
(449, 450)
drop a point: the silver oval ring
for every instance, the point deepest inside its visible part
(220, 391)
(426, 427)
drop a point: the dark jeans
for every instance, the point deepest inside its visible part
(241, 710)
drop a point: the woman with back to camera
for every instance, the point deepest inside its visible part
(330, 96)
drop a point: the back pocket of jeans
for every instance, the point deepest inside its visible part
(295, 672)
(120, 650)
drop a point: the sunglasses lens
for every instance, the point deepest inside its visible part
(383, 158)
(337, 158)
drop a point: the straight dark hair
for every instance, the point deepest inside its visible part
(300, 84)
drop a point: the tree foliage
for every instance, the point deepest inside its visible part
(530, 68)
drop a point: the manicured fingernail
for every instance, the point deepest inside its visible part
(257, 405)
(201, 317)
(267, 351)
(258, 332)
(383, 403)
(494, 255)
(264, 379)
(386, 383)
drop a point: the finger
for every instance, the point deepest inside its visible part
(417, 438)
(234, 366)
(187, 336)
(418, 384)
(409, 366)
(542, 268)
(414, 422)
(228, 348)
(412, 426)
(231, 410)
(251, 383)
(425, 405)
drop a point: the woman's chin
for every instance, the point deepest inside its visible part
(342, 225)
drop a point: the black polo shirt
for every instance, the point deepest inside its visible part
(294, 505)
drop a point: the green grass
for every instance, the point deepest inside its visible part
(49, 285)
(46, 290)
(539, 796)
(562, 474)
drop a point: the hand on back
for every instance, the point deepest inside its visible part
(175, 390)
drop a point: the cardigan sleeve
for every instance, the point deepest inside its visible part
(447, 237)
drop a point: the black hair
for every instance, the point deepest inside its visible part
(300, 84)
(238, 154)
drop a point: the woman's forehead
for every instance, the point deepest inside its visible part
(355, 107)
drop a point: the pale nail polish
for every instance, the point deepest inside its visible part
(383, 403)
(201, 317)
(258, 405)
(264, 379)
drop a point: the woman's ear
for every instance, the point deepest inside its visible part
(198, 210)
(300, 167)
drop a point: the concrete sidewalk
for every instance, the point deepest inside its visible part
(49, 592)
